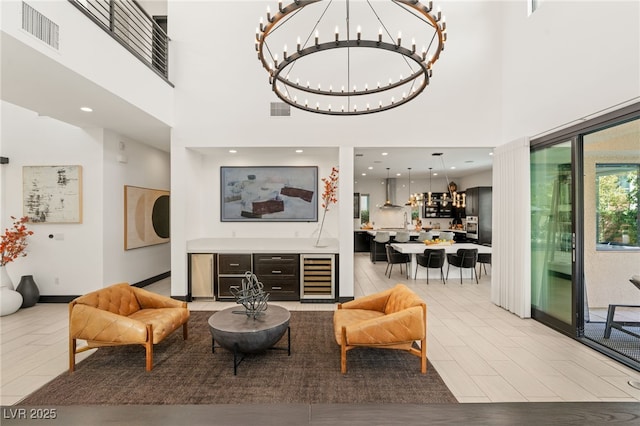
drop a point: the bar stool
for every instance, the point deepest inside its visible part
(380, 238)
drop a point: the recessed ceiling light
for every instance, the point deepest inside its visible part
(232, 151)
(385, 153)
(86, 109)
(435, 174)
(364, 174)
(299, 151)
(398, 174)
(453, 167)
(370, 167)
(491, 153)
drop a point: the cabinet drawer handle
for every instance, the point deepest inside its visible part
(234, 264)
(276, 272)
(276, 288)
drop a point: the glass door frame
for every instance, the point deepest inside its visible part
(574, 328)
(575, 135)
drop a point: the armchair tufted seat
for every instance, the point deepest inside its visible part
(392, 319)
(124, 315)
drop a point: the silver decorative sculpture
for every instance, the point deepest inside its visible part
(251, 296)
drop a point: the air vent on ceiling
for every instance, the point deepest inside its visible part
(40, 26)
(280, 109)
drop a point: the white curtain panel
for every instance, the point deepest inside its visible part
(511, 242)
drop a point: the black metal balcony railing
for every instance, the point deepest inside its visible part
(128, 23)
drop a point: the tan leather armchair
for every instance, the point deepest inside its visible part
(123, 315)
(392, 319)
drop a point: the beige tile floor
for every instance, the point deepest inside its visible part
(484, 353)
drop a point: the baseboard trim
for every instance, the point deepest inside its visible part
(152, 280)
(143, 283)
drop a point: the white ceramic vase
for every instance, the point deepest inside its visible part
(10, 301)
(5, 279)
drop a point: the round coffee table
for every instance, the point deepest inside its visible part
(233, 330)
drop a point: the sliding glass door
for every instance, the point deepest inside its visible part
(585, 226)
(552, 236)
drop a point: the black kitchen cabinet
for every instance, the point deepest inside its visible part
(478, 203)
(361, 241)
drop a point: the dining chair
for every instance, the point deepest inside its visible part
(463, 259)
(483, 259)
(431, 258)
(395, 257)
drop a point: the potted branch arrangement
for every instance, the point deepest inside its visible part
(329, 196)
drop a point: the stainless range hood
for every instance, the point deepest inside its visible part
(390, 187)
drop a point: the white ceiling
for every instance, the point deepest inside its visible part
(36, 82)
(466, 161)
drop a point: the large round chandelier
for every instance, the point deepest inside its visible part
(342, 57)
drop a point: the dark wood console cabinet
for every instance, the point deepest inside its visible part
(280, 274)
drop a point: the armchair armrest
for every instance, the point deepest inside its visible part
(93, 324)
(403, 326)
(150, 300)
(372, 302)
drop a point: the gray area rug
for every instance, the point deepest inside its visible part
(187, 372)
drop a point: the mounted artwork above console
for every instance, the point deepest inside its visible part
(269, 194)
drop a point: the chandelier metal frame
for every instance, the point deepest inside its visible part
(418, 78)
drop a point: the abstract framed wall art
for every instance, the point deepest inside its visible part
(52, 194)
(269, 194)
(146, 217)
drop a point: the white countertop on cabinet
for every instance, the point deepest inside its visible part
(260, 245)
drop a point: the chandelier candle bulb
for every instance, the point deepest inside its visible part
(380, 35)
(359, 32)
(413, 45)
(399, 38)
(280, 5)
(443, 24)
(269, 14)
(337, 34)
(439, 14)
(261, 24)
(284, 54)
(298, 44)
(317, 35)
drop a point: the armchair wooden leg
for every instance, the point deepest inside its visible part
(343, 351)
(149, 347)
(72, 354)
(423, 355)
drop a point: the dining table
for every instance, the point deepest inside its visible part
(413, 248)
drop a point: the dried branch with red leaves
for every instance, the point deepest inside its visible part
(14, 241)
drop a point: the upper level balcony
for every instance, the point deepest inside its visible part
(127, 22)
